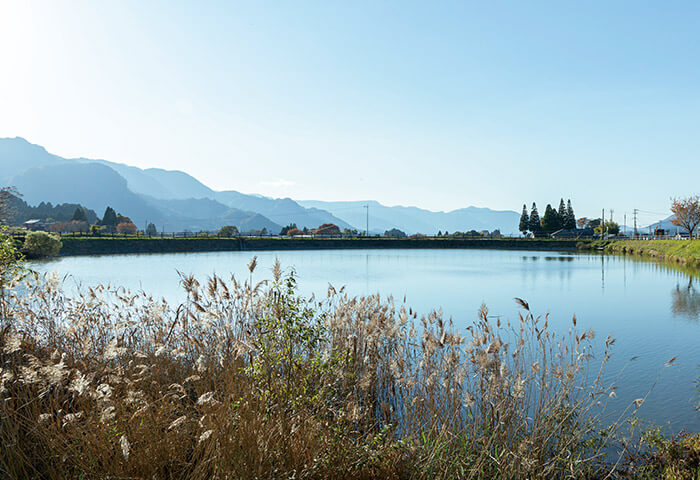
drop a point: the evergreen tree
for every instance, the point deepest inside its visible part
(570, 217)
(151, 230)
(285, 230)
(534, 219)
(557, 221)
(524, 221)
(79, 215)
(109, 219)
(561, 212)
(550, 221)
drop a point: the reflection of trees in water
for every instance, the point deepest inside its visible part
(685, 300)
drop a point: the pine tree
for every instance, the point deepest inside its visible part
(109, 219)
(550, 221)
(524, 221)
(79, 215)
(562, 216)
(534, 219)
(570, 217)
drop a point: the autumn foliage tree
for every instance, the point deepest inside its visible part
(687, 212)
(328, 229)
(126, 228)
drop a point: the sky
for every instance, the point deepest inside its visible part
(440, 105)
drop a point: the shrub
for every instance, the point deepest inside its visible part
(126, 228)
(228, 231)
(10, 264)
(395, 232)
(41, 244)
(74, 226)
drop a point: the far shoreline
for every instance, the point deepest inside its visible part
(73, 246)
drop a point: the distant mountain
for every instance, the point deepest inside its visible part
(91, 184)
(18, 155)
(664, 224)
(284, 211)
(177, 185)
(159, 183)
(144, 195)
(417, 220)
(175, 200)
(206, 214)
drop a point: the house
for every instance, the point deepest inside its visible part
(573, 233)
(34, 225)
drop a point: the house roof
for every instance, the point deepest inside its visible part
(573, 232)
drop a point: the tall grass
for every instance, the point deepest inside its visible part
(250, 380)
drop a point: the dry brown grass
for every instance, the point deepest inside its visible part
(249, 380)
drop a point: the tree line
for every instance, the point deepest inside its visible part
(553, 219)
(111, 222)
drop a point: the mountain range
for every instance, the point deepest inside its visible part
(176, 201)
(417, 220)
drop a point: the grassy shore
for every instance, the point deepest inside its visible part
(249, 380)
(680, 251)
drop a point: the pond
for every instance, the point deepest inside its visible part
(651, 309)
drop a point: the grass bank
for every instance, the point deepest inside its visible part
(679, 251)
(249, 380)
(108, 245)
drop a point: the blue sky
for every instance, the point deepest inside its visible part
(435, 104)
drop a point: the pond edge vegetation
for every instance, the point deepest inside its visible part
(685, 252)
(248, 379)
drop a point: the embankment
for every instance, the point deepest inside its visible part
(108, 245)
(680, 251)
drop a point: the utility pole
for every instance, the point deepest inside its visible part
(367, 225)
(602, 223)
(624, 222)
(635, 222)
(611, 216)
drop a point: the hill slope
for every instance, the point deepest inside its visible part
(141, 194)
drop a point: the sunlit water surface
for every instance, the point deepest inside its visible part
(652, 310)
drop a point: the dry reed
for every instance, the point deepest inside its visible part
(250, 380)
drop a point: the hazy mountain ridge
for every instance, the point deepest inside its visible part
(419, 220)
(174, 200)
(141, 194)
(178, 185)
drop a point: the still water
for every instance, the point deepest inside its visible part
(652, 310)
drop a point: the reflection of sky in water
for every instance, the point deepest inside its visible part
(651, 309)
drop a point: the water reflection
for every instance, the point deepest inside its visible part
(685, 300)
(625, 296)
